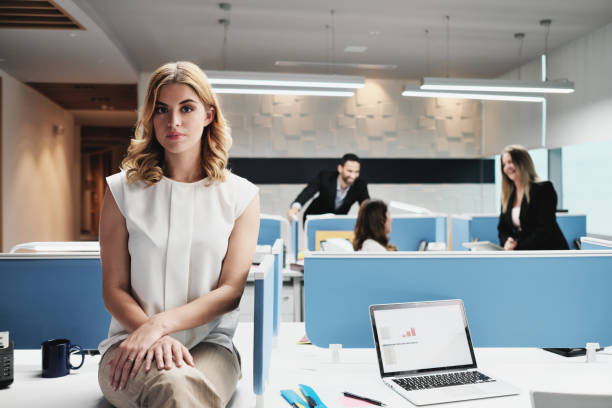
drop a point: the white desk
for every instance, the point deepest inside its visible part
(293, 364)
(80, 388)
(296, 278)
(357, 371)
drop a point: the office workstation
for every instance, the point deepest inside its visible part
(403, 160)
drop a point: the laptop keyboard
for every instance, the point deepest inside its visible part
(442, 380)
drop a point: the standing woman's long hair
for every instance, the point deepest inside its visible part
(145, 157)
(522, 161)
(371, 225)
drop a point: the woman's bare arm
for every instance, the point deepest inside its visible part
(116, 267)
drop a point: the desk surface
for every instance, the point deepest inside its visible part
(293, 364)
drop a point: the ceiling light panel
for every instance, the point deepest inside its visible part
(415, 91)
(271, 79)
(495, 85)
(297, 91)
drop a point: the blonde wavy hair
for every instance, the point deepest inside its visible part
(522, 161)
(145, 156)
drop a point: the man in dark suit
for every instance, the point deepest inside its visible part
(338, 190)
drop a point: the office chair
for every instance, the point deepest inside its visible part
(541, 399)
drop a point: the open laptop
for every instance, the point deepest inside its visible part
(425, 353)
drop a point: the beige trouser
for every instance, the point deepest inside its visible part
(210, 384)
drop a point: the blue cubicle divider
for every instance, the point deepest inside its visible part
(278, 252)
(588, 243)
(45, 297)
(270, 229)
(468, 228)
(295, 230)
(264, 322)
(536, 299)
(407, 231)
(474, 227)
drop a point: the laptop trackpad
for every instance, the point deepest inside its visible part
(464, 392)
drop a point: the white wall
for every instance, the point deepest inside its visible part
(581, 123)
(376, 122)
(584, 116)
(586, 184)
(439, 198)
(39, 167)
(581, 117)
(513, 122)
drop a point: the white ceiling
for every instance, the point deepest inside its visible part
(123, 37)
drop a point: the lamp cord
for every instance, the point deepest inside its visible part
(227, 7)
(448, 46)
(546, 23)
(333, 37)
(521, 39)
(427, 50)
(327, 46)
(224, 55)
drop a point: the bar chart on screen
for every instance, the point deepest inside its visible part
(409, 333)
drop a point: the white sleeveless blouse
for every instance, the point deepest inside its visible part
(178, 237)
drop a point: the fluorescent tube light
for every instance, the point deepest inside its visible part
(335, 65)
(284, 79)
(495, 85)
(221, 89)
(415, 91)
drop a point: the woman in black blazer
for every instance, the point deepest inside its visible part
(527, 219)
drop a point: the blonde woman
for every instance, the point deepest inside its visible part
(527, 219)
(177, 235)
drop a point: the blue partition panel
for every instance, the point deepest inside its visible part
(278, 252)
(406, 232)
(595, 244)
(295, 229)
(573, 227)
(327, 224)
(484, 228)
(590, 246)
(511, 300)
(460, 233)
(441, 229)
(46, 298)
(264, 323)
(269, 230)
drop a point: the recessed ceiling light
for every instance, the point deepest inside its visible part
(374, 32)
(355, 48)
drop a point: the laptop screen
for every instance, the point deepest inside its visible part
(421, 336)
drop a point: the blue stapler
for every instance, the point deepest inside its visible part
(311, 396)
(293, 399)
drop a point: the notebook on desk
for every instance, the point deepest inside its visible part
(425, 353)
(482, 246)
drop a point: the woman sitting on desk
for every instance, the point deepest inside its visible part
(373, 227)
(527, 219)
(177, 235)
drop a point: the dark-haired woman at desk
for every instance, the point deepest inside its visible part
(527, 219)
(373, 227)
